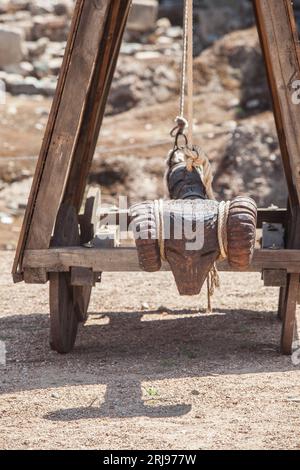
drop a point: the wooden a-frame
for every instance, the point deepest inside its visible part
(72, 132)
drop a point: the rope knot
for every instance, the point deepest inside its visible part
(196, 158)
(182, 124)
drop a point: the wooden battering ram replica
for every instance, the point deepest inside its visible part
(52, 244)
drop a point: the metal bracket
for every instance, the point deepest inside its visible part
(272, 236)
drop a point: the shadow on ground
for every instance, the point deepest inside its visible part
(124, 349)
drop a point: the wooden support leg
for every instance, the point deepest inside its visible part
(281, 302)
(288, 313)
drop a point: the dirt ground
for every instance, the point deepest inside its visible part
(149, 371)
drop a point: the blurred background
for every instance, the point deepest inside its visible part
(233, 118)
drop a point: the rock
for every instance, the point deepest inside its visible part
(141, 81)
(162, 94)
(6, 219)
(47, 86)
(54, 27)
(131, 48)
(18, 191)
(252, 160)
(4, 6)
(235, 63)
(124, 94)
(174, 32)
(148, 55)
(12, 48)
(40, 7)
(140, 179)
(143, 15)
(17, 85)
(63, 7)
(24, 68)
(56, 49)
(17, 5)
(41, 67)
(55, 65)
(37, 48)
(219, 17)
(163, 24)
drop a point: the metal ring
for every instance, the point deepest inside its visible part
(180, 134)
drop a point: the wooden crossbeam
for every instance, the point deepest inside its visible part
(125, 259)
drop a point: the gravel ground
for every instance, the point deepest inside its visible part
(149, 370)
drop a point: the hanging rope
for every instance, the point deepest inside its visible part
(159, 221)
(186, 72)
(223, 213)
(184, 61)
(190, 70)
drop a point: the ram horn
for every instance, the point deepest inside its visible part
(241, 231)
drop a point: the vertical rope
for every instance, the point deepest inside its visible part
(187, 69)
(190, 72)
(184, 58)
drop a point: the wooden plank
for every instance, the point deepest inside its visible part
(271, 216)
(125, 259)
(279, 40)
(36, 276)
(89, 219)
(273, 236)
(288, 325)
(274, 277)
(82, 277)
(280, 44)
(96, 102)
(59, 153)
(16, 270)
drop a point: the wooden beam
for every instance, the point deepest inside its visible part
(36, 276)
(82, 277)
(17, 270)
(280, 45)
(75, 119)
(271, 216)
(96, 101)
(274, 277)
(125, 259)
(67, 125)
(288, 321)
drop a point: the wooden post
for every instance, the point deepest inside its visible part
(96, 100)
(279, 39)
(86, 74)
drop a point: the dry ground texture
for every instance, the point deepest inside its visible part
(149, 371)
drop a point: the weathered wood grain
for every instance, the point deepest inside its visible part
(16, 270)
(280, 45)
(287, 334)
(126, 259)
(96, 101)
(67, 124)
